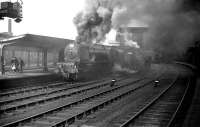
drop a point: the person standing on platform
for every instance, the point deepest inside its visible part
(14, 64)
(21, 64)
(17, 64)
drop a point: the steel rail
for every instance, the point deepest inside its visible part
(72, 86)
(99, 85)
(88, 111)
(67, 105)
(125, 124)
(172, 120)
(27, 89)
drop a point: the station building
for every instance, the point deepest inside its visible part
(135, 34)
(36, 51)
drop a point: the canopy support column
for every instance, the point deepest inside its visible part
(2, 59)
(38, 58)
(29, 61)
(13, 53)
(55, 59)
(45, 69)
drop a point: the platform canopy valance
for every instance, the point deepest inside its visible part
(36, 41)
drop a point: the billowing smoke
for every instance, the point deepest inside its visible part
(172, 28)
(94, 22)
(118, 68)
(128, 40)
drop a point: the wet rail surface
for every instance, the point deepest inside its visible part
(160, 110)
(98, 98)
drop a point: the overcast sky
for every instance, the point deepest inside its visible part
(47, 17)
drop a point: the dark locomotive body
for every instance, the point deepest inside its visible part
(97, 60)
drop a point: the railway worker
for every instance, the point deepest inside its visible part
(21, 64)
(3, 65)
(17, 64)
(14, 64)
(60, 68)
(13, 67)
(112, 82)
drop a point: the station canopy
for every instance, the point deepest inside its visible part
(36, 41)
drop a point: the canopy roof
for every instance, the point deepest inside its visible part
(36, 41)
(5, 35)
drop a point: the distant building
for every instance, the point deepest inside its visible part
(35, 50)
(130, 33)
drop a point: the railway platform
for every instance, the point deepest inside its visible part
(26, 73)
(27, 78)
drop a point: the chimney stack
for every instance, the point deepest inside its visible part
(10, 26)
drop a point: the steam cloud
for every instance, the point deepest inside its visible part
(172, 28)
(119, 68)
(94, 22)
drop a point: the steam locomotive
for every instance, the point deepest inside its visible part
(99, 59)
(79, 59)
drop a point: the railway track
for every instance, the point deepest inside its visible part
(88, 102)
(48, 93)
(72, 91)
(30, 101)
(14, 91)
(61, 100)
(43, 90)
(23, 90)
(113, 113)
(159, 111)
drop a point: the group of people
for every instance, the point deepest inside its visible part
(17, 64)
